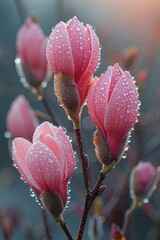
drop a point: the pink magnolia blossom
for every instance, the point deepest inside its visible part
(74, 50)
(31, 48)
(47, 163)
(141, 176)
(113, 107)
(21, 120)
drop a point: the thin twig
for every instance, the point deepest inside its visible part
(47, 232)
(21, 10)
(90, 197)
(127, 219)
(83, 159)
(66, 231)
(88, 202)
(55, 120)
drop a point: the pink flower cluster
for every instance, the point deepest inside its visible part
(72, 52)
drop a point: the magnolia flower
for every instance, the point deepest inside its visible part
(113, 107)
(31, 48)
(21, 120)
(46, 165)
(143, 181)
(73, 54)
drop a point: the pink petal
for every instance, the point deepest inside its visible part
(80, 45)
(55, 147)
(43, 129)
(116, 74)
(91, 102)
(67, 151)
(121, 112)
(30, 44)
(64, 191)
(34, 42)
(100, 96)
(19, 152)
(146, 171)
(92, 64)
(21, 120)
(59, 52)
(44, 166)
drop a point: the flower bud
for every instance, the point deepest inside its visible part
(113, 107)
(21, 120)
(31, 46)
(129, 57)
(142, 181)
(73, 55)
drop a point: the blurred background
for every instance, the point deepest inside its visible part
(129, 33)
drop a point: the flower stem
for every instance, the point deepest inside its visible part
(21, 10)
(129, 213)
(55, 120)
(47, 232)
(82, 158)
(66, 231)
(90, 197)
(88, 202)
(128, 216)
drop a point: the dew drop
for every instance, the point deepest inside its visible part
(50, 160)
(32, 194)
(7, 135)
(145, 200)
(124, 155)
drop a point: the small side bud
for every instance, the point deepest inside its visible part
(68, 96)
(101, 190)
(101, 148)
(52, 202)
(86, 160)
(129, 57)
(143, 182)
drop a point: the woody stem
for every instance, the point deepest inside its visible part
(82, 158)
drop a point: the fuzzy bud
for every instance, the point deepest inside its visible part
(101, 148)
(67, 94)
(53, 203)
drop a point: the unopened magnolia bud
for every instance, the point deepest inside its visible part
(101, 148)
(29, 75)
(52, 202)
(67, 94)
(143, 181)
(129, 56)
(101, 190)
